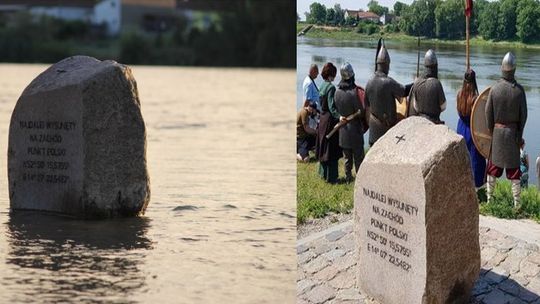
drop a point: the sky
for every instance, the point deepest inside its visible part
(302, 6)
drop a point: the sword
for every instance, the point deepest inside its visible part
(342, 123)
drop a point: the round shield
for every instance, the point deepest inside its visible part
(401, 108)
(479, 129)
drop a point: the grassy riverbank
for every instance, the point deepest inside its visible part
(316, 198)
(350, 34)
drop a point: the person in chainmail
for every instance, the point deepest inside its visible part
(381, 94)
(427, 98)
(351, 135)
(506, 114)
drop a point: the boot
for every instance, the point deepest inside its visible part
(516, 191)
(491, 180)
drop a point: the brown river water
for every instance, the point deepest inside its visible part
(220, 226)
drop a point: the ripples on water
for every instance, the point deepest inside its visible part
(220, 226)
(485, 60)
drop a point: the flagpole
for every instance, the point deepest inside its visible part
(468, 12)
(467, 43)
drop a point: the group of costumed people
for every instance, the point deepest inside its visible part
(357, 111)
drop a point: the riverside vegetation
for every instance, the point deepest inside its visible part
(240, 36)
(316, 198)
(492, 21)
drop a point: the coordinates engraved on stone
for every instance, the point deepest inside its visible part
(390, 237)
(46, 151)
(390, 258)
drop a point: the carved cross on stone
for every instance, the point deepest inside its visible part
(400, 138)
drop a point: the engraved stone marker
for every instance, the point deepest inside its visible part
(77, 142)
(416, 217)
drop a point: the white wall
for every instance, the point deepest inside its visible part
(108, 12)
(66, 13)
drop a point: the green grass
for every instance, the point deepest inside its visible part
(348, 34)
(316, 198)
(502, 204)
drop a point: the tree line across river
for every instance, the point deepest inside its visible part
(509, 20)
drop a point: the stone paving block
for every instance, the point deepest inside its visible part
(496, 260)
(513, 260)
(496, 276)
(534, 258)
(534, 285)
(497, 296)
(301, 301)
(504, 244)
(351, 294)
(519, 278)
(320, 294)
(346, 243)
(324, 248)
(305, 257)
(481, 287)
(335, 235)
(326, 274)
(346, 261)
(333, 254)
(301, 249)
(316, 264)
(304, 286)
(343, 280)
(487, 253)
(528, 268)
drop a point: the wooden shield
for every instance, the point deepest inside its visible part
(479, 129)
(401, 108)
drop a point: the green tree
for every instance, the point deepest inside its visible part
(351, 21)
(527, 20)
(507, 19)
(330, 16)
(317, 13)
(375, 7)
(418, 19)
(478, 8)
(488, 19)
(450, 19)
(340, 14)
(399, 7)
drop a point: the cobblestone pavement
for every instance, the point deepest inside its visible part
(326, 268)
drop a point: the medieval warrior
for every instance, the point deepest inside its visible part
(506, 114)
(427, 96)
(381, 93)
(351, 135)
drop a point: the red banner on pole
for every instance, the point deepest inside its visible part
(468, 7)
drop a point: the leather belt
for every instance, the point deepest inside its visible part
(511, 125)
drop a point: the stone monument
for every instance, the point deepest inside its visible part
(77, 142)
(416, 217)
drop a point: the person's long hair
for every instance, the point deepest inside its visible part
(467, 94)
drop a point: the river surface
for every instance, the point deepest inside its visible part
(221, 223)
(485, 60)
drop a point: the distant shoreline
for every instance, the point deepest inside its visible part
(350, 34)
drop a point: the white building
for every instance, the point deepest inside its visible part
(95, 12)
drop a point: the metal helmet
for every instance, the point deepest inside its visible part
(430, 59)
(346, 71)
(383, 56)
(508, 62)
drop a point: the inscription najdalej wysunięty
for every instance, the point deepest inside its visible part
(387, 237)
(46, 160)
